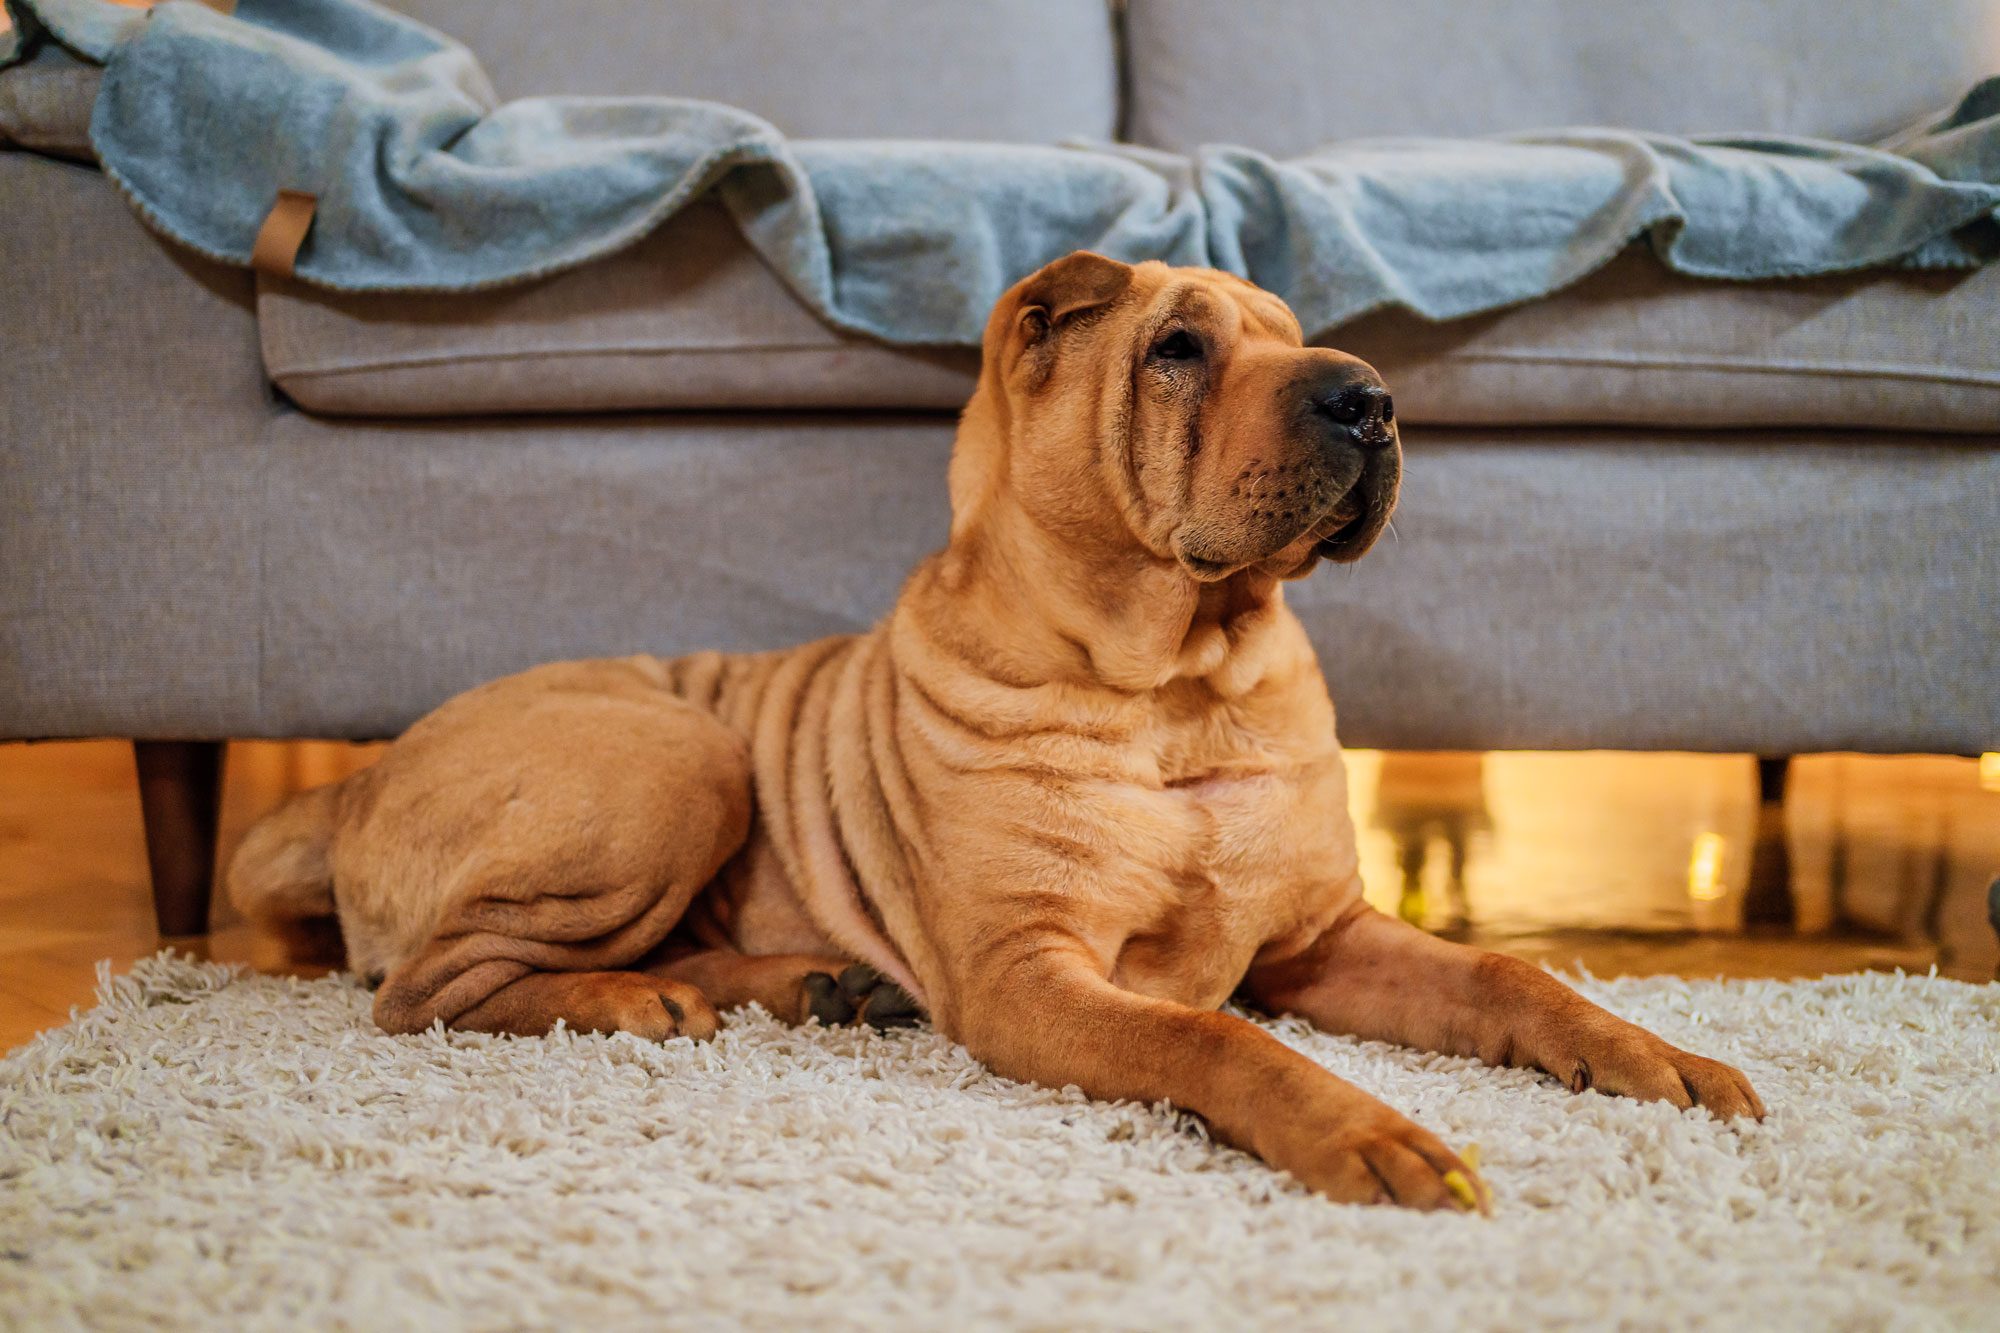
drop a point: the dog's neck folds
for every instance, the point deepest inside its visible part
(1038, 607)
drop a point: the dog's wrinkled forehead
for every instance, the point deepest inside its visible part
(1226, 305)
(1089, 301)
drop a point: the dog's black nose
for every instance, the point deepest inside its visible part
(1363, 407)
(1351, 397)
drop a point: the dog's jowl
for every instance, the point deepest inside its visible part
(1079, 789)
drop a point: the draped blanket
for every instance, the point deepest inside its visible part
(424, 181)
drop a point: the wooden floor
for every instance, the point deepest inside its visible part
(1627, 863)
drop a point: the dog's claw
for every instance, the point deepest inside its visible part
(890, 1007)
(859, 992)
(878, 1001)
(857, 981)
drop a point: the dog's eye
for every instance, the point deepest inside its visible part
(1180, 345)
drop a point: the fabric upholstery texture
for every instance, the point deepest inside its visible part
(1781, 593)
(187, 555)
(197, 560)
(1286, 75)
(132, 509)
(1028, 71)
(1637, 345)
(1548, 591)
(45, 104)
(687, 318)
(411, 560)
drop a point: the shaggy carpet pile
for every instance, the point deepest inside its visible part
(210, 1150)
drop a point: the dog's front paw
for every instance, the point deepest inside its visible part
(1632, 1062)
(1383, 1156)
(859, 993)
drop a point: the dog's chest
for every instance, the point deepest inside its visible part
(1241, 854)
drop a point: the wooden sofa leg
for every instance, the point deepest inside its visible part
(1768, 900)
(180, 792)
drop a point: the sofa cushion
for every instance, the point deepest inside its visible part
(687, 318)
(1635, 344)
(691, 319)
(1029, 71)
(1287, 75)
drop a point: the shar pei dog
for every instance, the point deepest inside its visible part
(1078, 790)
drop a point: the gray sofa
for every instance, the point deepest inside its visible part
(1647, 513)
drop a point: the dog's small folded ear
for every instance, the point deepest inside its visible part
(1071, 285)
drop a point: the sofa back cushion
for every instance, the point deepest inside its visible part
(1028, 71)
(1287, 75)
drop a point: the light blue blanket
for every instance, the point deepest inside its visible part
(424, 182)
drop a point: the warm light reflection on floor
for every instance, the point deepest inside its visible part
(1705, 883)
(1627, 863)
(1645, 862)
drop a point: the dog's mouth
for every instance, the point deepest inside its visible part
(1346, 532)
(1343, 534)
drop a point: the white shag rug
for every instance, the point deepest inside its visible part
(208, 1150)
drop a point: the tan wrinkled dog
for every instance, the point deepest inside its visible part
(1077, 791)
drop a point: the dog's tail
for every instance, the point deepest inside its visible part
(284, 869)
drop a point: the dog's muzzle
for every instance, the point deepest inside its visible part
(1356, 417)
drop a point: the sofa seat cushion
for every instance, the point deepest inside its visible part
(687, 318)
(1636, 345)
(691, 319)
(1285, 76)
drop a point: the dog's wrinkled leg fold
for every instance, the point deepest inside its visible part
(646, 1006)
(506, 995)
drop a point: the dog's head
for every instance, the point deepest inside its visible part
(1177, 409)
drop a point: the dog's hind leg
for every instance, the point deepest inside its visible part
(513, 860)
(503, 963)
